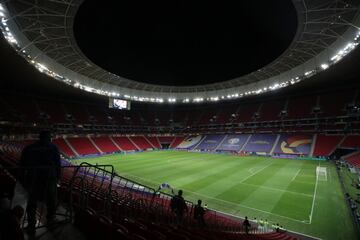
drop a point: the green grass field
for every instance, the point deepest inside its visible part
(279, 190)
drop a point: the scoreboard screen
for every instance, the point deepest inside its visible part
(119, 103)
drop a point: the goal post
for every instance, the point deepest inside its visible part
(321, 173)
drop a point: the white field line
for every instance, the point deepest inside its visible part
(254, 185)
(231, 203)
(302, 234)
(244, 206)
(295, 175)
(313, 202)
(256, 172)
(277, 189)
(228, 202)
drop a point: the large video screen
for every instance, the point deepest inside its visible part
(119, 103)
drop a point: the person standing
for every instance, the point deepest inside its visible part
(41, 164)
(178, 206)
(199, 212)
(246, 225)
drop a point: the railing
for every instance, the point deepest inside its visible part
(98, 187)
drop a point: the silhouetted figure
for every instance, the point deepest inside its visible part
(178, 206)
(199, 212)
(246, 225)
(10, 223)
(41, 162)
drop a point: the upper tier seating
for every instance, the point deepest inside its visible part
(78, 113)
(301, 107)
(247, 112)
(351, 141)
(331, 106)
(54, 111)
(271, 110)
(98, 115)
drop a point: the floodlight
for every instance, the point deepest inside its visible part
(324, 66)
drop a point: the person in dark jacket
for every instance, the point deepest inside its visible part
(41, 165)
(246, 225)
(199, 212)
(178, 206)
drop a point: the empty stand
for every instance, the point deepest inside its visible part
(55, 111)
(210, 142)
(64, 147)
(98, 115)
(78, 112)
(260, 143)
(163, 139)
(247, 112)
(124, 143)
(233, 143)
(331, 106)
(82, 145)
(154, 141)
(225, 115)
(270, 110)
(105, 144)
(176, 142)
(301, 107)
(351, 141)
(326, 144)
(25, 110)
(141, 142)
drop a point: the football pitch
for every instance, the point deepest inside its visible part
(280, 190)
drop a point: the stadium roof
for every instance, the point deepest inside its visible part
(42, 32)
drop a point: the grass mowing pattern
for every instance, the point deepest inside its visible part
(279, 190)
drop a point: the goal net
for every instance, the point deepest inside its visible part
(321, 173)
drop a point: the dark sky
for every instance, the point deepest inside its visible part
(184, 42)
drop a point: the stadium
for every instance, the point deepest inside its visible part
(253, 108)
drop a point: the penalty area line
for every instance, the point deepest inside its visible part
(254, 173)
(295, 175)
(313, 202)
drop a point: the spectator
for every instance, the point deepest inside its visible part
(246, 225)
(41, 162)
(178, 206)
(277, 228)
(10, 223)
(199, 212)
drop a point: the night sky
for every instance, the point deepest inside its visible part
(184, 42)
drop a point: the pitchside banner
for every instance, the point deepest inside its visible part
(233, 142)
(210, 142)
(294, 144)
(190, 142)
(260, 143)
